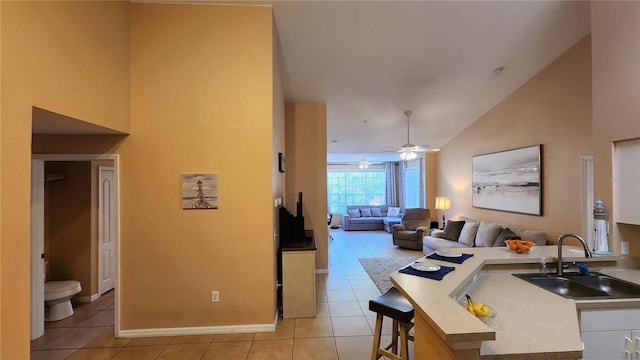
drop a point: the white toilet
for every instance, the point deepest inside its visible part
(57, 299)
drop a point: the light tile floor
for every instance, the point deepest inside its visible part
(342, 329)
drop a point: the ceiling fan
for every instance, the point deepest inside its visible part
(409, 151)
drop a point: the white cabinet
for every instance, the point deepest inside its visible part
(299, 283)
(626, 181)
(610, 334)
(634, 344)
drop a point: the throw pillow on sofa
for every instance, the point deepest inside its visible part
(376, 212)
(504, 235)
(452, 230)
(487, 233)
(365, 212)
(537, 236)
(354, 213)
(468, 233)
(393, 212)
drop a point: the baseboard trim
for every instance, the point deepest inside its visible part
(86, 299)
(200, 330)
(322, 271)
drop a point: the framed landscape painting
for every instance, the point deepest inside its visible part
(509, 180)
(199, 191)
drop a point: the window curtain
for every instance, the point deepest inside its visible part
(401, 170)
(392, 197)
(412, 195)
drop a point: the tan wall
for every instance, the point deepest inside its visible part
(68, 223)
(554, 109)
(616, 90)
(201, 102)
(21, 349)
(306, 170)
(431, 184)
(76, 144)
(68, 57)
(185, 121)
(62, 51)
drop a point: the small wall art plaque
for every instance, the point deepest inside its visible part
(199, 191)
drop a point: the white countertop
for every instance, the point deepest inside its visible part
(530, 321)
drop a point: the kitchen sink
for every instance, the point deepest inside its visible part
(578, 286)
(613, 286)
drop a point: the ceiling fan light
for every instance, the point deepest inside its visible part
(408, 155)
(364, 164)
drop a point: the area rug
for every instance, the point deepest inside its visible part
(379, 269)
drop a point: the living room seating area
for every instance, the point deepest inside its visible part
(467, 232)
(371, 217)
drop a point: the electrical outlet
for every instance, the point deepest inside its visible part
(215, 296)
(624, 247)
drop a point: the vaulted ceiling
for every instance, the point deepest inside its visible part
(370, 61)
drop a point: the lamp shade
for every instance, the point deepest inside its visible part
(443, 203)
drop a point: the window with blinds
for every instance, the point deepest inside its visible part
(355, 187)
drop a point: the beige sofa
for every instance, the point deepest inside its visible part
(477, 233)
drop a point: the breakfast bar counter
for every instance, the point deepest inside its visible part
(530, 322)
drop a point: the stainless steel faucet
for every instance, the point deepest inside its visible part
(587, 253)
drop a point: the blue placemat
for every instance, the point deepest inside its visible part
(457, 260)
(435, 275)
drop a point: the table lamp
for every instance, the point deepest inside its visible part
(443, 203)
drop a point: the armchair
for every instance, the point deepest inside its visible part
(409, 233)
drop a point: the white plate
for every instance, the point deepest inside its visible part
(422, 266)
(450, 254)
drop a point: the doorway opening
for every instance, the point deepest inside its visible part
(79, 221)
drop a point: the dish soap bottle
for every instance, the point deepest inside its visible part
(543, 267)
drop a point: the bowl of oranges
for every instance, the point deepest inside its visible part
(520, 246)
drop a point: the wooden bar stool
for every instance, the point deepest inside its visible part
(392, 304)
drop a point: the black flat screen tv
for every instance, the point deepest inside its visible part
(292, 227)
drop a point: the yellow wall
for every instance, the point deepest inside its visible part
(61, 51)
(201, 102)
(616, 90)
(68, 57)
(306, 170)
(554, 109)
(201, 98)
(22, 349)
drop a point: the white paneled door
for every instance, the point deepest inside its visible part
(106, 229)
